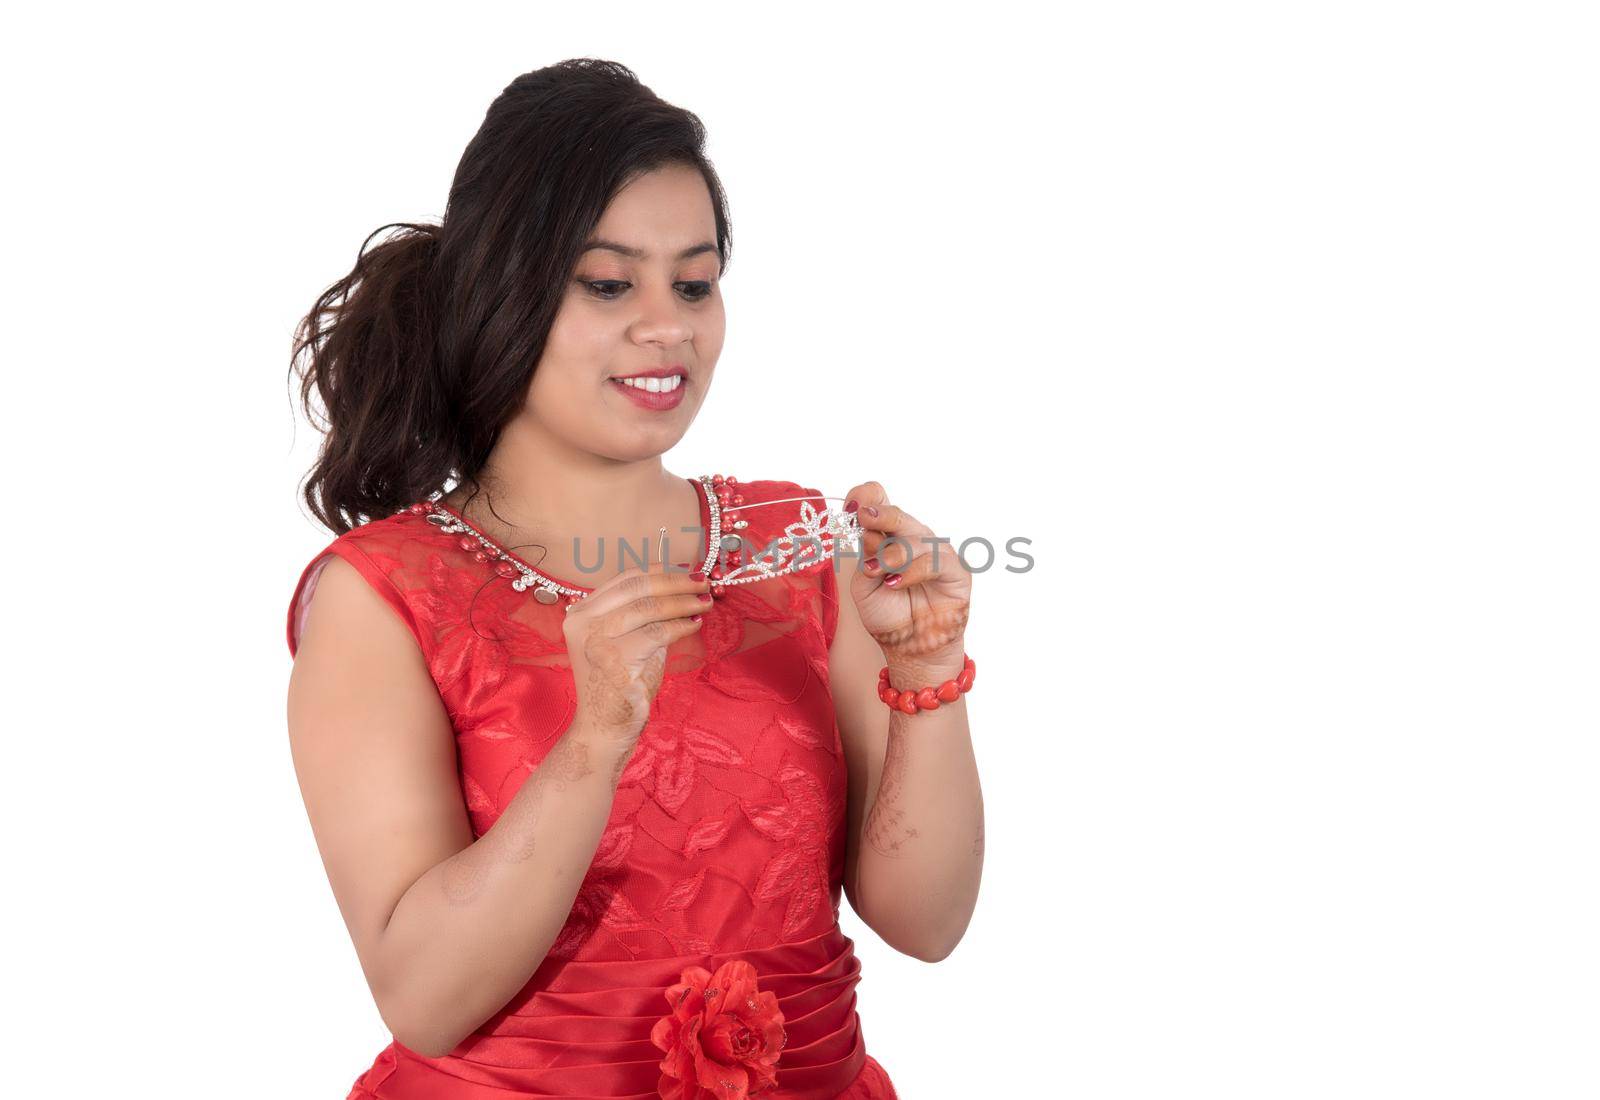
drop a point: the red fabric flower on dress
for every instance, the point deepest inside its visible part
(722, 1037)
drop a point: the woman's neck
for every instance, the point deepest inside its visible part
(534, 488)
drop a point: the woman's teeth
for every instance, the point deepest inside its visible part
(654, 385)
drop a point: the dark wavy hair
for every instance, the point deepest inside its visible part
(425, 350)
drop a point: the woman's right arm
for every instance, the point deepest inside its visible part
(447, 928)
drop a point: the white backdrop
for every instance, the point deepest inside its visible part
(1272, 326)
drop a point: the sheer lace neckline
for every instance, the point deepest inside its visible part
(710, 522)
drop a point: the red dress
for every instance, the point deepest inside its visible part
(725, 842)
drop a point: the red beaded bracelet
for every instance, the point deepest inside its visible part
(908, 701)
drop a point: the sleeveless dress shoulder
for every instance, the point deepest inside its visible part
(723, 856)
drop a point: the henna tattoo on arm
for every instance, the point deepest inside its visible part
(618, 767)
(610, 697)
(566, 763)
(610, 708)
(464, 877)
(928, 631)
(887, 828)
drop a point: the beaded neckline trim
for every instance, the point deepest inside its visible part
(802, 544)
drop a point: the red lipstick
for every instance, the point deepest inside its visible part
(667, 395)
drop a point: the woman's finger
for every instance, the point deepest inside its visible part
(895, 538)
(659, 633)
(915, 571)
(653, 608)
(636, 583)
(880, 522)
(885, 517)
(888, 552)
(868, 493)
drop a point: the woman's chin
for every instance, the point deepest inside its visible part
(644, 442)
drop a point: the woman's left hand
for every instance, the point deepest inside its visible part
(912, 590)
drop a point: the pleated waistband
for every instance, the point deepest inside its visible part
(582, 1030)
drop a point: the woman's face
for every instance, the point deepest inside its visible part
(654, 310)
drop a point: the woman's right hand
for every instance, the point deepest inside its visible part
(617, 639)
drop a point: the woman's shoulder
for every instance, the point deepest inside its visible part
(387, 551)
(760, 486)
(401, 524)
(763, 501)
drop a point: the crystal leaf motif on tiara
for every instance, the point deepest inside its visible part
(809, 540)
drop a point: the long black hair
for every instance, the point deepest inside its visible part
(425, 350)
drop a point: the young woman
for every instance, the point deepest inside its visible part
(587, 779)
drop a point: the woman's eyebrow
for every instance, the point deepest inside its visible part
(641, 254)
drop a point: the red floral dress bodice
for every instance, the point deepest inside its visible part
(726, 838)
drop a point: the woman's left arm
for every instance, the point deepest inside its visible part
(914, 843)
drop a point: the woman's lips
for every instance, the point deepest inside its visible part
(656, 401)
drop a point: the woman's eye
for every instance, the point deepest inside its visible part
(609, 289)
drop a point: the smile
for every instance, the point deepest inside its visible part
(655, 392)
(653, 385)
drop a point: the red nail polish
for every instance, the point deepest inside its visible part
(698, 575)
(891, 579)
(705, 597)
(697, 618)
(851, 505)
(870, 565)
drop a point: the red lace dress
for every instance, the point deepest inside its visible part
(726, 838)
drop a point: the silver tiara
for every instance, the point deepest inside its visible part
(811, 539)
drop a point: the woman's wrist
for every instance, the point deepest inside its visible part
(926, 669)
(607, 751)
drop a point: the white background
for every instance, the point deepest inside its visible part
(1272, 325)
